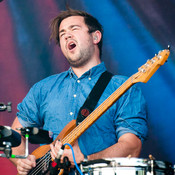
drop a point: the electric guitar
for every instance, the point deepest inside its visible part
(71, 132)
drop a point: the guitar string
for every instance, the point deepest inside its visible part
(42, 164)
(69, 136)
(39, 164)
(38, 168)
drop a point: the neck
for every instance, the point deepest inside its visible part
(81, 70)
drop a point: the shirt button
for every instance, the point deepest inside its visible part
(71, 113)
(89, 78)
(78, 81)
(75, 95)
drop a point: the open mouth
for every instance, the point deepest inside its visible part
(71, 45)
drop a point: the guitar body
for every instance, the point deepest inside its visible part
(42, 150)
(42, 153)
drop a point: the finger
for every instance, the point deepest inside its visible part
(58, 144)
(53, 153)
(30, 161)
(32, 158)
(24, 164)
(22, 173)
(23, 168)
(53, 157)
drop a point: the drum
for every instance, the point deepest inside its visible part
(116, 166)
(126, 166)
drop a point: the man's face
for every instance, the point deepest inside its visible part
(75, 41)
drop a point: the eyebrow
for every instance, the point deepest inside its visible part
(70, 27)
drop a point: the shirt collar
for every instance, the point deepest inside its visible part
(100, 68)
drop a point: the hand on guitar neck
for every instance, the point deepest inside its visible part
(67, 152)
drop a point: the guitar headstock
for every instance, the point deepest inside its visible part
(146, 71)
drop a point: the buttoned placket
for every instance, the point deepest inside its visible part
(74, 98)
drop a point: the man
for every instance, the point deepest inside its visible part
(55, 101)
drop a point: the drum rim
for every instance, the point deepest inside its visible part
(118, 162)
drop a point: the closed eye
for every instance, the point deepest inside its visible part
(62, 34)
(75, 27)
(71, 28)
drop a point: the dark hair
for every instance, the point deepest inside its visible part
(91, 22)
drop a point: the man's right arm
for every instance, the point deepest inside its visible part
(23, 165)
(20, 150)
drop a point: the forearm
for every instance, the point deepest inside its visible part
(128, 145)
(20, 150)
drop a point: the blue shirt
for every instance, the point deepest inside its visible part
(53, 102)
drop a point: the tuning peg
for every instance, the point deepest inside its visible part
(159, 57)
(169, 47)
(141, 69)
(152, 60)
(146, 65)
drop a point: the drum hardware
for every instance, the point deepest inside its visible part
(37, 136)
(7, 150)
(7, 107)
(156, 167)
(8, 139)
(151, 167)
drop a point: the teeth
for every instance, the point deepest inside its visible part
(71, 45)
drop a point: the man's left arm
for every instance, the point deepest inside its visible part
(127, 145)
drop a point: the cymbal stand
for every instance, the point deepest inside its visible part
(8, 151)
(7, 107)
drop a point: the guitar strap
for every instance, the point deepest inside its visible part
(94, 96)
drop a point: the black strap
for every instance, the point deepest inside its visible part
(94, 96)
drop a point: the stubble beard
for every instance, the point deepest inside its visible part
(81, 58)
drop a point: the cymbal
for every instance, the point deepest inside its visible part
(9, 135)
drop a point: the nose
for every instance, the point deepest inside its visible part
(68, 35)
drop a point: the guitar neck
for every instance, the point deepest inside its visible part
(98, 112)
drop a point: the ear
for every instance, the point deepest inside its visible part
(96, 36)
